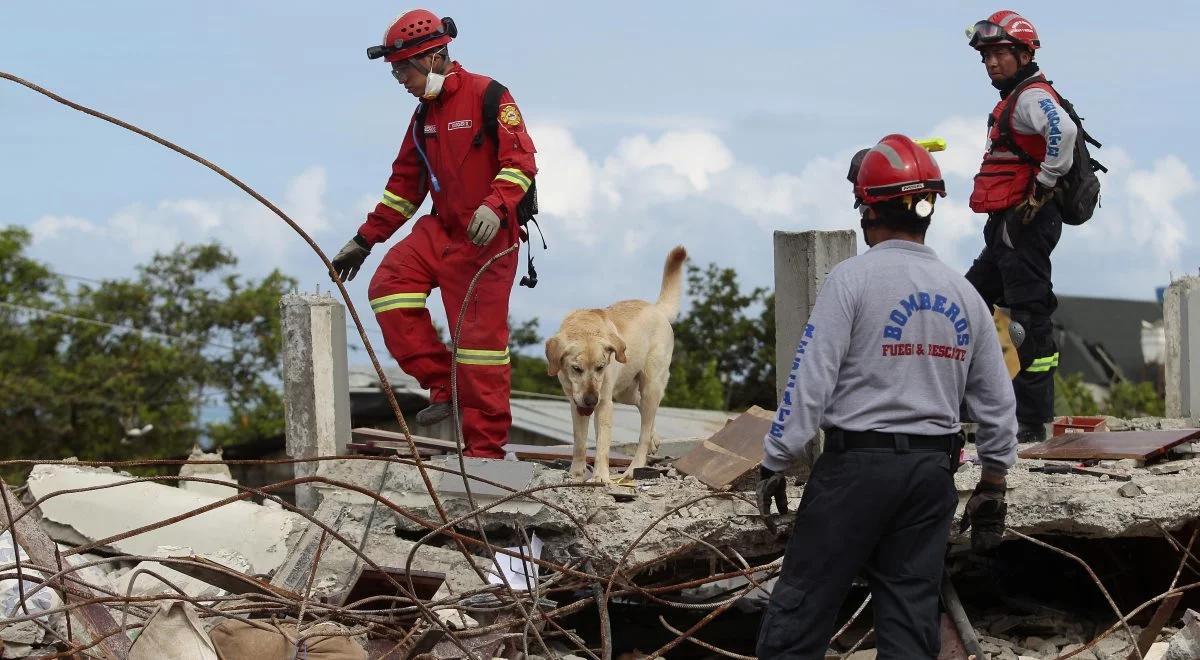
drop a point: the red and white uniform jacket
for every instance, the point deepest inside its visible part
(1040, 127)
(470, 172)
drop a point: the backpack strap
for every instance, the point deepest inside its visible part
(491, 113)
(1006, 114)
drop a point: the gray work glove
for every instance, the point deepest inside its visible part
(484, 225)
(771, 486)
(351, 258)
(1028, 209)
(984, 516)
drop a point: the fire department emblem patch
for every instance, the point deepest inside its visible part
(510, 115)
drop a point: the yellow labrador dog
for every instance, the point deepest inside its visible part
(620, 353)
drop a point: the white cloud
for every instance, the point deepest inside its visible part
(305, 200)
(50, 227)
(965, 140)
(135, 232)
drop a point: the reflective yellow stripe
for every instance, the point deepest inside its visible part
(478, 356)
(398, 301)
(513, 175)
(1044, 363)
(399, 204)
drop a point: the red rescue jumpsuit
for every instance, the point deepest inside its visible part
(438, 253)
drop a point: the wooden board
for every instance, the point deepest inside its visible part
(1111, 445)
(729, 453)
(364, 435)
(389, 448)
(380, 438)
(564, 452)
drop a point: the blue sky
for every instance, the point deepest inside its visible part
(702, 123)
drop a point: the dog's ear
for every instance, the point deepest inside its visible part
(554, 351)
(616, 344)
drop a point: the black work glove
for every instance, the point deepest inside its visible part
(1028, 209)
(771, 485)
(984, 516)
(351, 258)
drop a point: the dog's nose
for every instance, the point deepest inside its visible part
(590, 400)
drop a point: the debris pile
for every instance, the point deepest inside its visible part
(460, 557)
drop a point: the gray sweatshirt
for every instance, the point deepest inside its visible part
(897, 342)
(1037, 113)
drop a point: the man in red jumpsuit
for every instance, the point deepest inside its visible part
(476, 182)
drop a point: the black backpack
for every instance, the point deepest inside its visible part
(1078, 191)
(527, 208)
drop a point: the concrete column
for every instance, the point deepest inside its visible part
(316, 387)
(1181, 321)
(802, 260)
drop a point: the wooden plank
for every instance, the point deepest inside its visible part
(371, 582)
(366, 434)
(294, 573)
(97, 620)
(383, 438)
(1150, 632)
(563, 452)
(389, 448)
(226, 578)
(1113, 445)
(729, 453)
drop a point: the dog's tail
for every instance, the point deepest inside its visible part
(672, 283)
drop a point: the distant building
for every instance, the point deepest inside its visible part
(1107, 340)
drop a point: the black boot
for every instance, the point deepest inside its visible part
(1029, 432)
(433, 414)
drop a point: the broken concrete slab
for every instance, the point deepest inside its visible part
(405, 488)
(145, 584)
(261, 534)
(1090, 508)
(339, 565)
(207, 471)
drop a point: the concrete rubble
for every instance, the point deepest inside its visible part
(258, 533)
(657, 525)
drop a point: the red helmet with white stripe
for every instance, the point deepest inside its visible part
(414, 32)
(1005, 27)
(897, 167)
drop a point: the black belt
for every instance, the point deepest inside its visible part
(840, 440)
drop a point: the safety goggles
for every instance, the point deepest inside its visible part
(986, 32)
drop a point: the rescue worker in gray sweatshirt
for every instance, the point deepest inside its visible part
(896, 345)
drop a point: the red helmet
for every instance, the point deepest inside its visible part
(1005, 27)
(415, 32)
(897, 167)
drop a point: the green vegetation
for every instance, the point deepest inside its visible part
(81, 366)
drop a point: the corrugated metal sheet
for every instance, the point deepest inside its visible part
(550, 418)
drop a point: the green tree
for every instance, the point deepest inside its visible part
(529, 370)
(1072, 396)
(718, 333)
(80, 367)
(692, 387)
(1126, 399)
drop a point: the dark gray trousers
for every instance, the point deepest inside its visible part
(880, 513)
